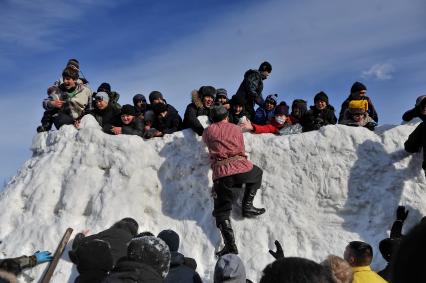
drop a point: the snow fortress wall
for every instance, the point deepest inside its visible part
(321, 189)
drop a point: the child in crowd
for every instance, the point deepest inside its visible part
(129, 124)
(104, 112)
(280, 120)
(237, 112)
(265, 112)
(321, 114)
(357, 115)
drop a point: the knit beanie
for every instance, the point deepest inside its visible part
(102, 96)
(265, 66)
(155, 95)
(106, 87)
(272, 98)
(221, 92)
(218, 113)
(139, 97)
(357, 87)
(151, 251)
(73, 63)
(207, 91)
(128, 109)
(159, 108)
(321, 96)
(171, 238)
(229, 268)
(237, 100)
(281, 109)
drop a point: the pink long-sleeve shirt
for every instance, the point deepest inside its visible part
(226, 147)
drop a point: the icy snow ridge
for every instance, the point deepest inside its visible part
(321, 189)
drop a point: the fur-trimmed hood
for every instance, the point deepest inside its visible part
(196, 99)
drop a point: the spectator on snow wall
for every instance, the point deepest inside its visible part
(321, 114)
(265, 113)
(148, 260)
(279, 120)
(357, 115)
(112, 95)
(74, 64)
(237, 111)
(419, 110)
(117, 236)
(202, 101)
(417, 141)
(129, 124)
(11, 267)
(222, 98)
(299, 108)
(181, 268)
(230, 268)
(105, 114)
(360, 255)
(231, 168)
(141, 106)
(340, 270)
(165, 122)
(358, 92)
(251, 87)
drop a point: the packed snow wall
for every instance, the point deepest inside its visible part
(320, 190)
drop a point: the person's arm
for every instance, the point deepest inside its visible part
(372, 111)
(263, 129)
(192, 120)
(251, 84)
(410, 114)
(401, 215)
(17, 264)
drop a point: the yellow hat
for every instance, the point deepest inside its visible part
(358, 106)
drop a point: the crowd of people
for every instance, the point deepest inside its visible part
(123, 254)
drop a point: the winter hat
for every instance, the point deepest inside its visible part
(265, 66)
(145, 233)
(321, 96)
(139, 97)
(237, 100)
(94, 255)
(221, 92)
(155, 95)
(229, 268)
(218, 113)
(159, 108)
(128, 109)
(151, 251)
(171, 238)
(281, 109)
(419, 100)
(70, 72)
(207, 91)
(272, 98)
(358, 106)
(102, 96)
(106, 87)
(357, 87)
(73, 63)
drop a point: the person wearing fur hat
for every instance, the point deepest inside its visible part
(202, 100)
(320, 114)
(358, 92)
(280, 120)
(68, 103)
(104, 113)
(265, 112)
(148, 260)
(165, 122)
(222, 98)
(237, 112)
(418, 111)
(357, 115)
(251, 87)
(231, 168)
(129, 124)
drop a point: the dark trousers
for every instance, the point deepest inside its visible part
(63, 119)
(416, 141)
(224, 189)
(48, 116)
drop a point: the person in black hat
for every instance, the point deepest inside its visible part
(320, 114)
(358, 92)
(165, 122)
(237, 111)
(251, 87)
(231, 169)
(202, 100)
(129, 123)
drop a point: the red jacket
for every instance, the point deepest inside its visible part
(273, 127)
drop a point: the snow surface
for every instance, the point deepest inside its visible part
(321, 189)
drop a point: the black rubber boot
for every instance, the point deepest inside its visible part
(228, 238)
(44, 128)
(248, 209)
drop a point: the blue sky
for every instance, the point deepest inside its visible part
(177, 46)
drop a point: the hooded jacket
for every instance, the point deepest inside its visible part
(230, 269)
(193, 110)
(179, 272)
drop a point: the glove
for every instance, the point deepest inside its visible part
(370, 126)
(43, 256)
(401, 213)
(279, 253)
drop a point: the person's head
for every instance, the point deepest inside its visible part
(156, 97)
(340, 269)
(421, 104)
(171, 238)
(144, 233)
(265, 70)
(298, 108)
(281, 113)
(160, 109)
(221, 96)
(70, 77)
(295, 270)
(105, 87)
(271, 102)
(229, 268)
(358, 109)
(358, 90)
(101, 100)
(321, 100)
(207, 95)
(151, 251)
(358, 253)
(85, 260)
(128, 114)
(139, 101)
(237, 104)
(388, 246)
(218, 113)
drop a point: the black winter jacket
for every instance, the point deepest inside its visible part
(315, 119)
(107, 117)
(371, 110)
(413, 113)
(169, 124)
(179, 272)
(134, 128)
(251, 91)
(128, 271)
(193, 110)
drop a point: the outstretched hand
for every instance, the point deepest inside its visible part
(401, 213)
(279, 253)
(43, 256)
